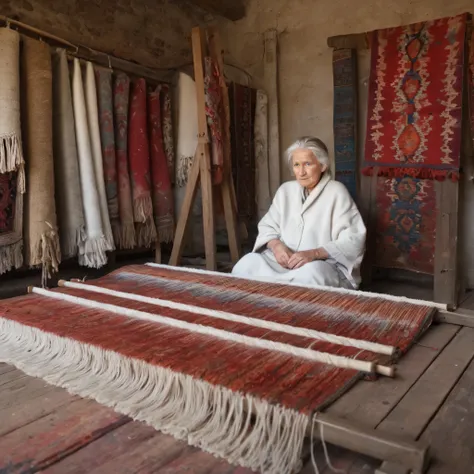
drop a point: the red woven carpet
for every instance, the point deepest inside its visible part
(415, 97)
(200, 387)
(406, 224)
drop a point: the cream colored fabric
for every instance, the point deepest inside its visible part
(42, 246)
(90, 92)
(71, 221)
(94, 254)
(328, 218)
(11, 150)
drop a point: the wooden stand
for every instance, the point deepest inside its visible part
(201, 168)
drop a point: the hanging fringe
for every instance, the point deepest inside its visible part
(94, 253)
(116, 232)
(46, 254)
(183, 169)
(243, 430)
(142, 208)
(11, 159)
(164, 229)
(74, 244)
(11, 256)
(418, 173)
(127, 236)
(146, 233)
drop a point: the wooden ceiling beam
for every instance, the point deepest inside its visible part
(231, 9)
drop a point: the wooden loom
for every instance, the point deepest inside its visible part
(204, 43)
(117, 312)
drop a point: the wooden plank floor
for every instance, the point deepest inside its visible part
(45, 429)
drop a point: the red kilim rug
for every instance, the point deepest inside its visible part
(415, 97)
(236, 367)
(406, 224)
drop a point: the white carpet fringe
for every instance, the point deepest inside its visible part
(11, 158)
(213, 418)
(255, 322)
(344, 291)
(11, 256)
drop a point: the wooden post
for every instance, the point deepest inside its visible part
(271, 80)
(227, 186)
(201, 169)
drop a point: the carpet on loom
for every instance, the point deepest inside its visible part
(242, 116)
(162, 193)
(248, 404)
(95, 246)
(167, 127)
(121, 100)
(344, 65)
(139, 164)
(11, 150)
(90, 91)
(103, 77)
(415, 98)
(71, 221)
(406, 224)
(42, 246)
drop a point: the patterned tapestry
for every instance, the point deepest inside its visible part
(344, 63)
(242, 117)
(406, 224)
(415, 96)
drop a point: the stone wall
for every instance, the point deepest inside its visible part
(155, 33)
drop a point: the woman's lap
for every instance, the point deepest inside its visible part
(319, 272)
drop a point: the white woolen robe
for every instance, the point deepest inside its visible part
(327, 218)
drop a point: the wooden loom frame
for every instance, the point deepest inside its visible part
(201, 168)
(447, 284)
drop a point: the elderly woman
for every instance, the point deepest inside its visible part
(313, 233)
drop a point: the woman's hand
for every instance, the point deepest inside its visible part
(281, 251)
(298, 259)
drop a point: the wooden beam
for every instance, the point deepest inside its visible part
(270, 74)
(231, 9)
(460, 317)
(382, 446)
(356, 41)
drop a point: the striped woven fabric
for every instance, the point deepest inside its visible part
(233, 366)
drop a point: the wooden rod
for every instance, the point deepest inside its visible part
(84, 52)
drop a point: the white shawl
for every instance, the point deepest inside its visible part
(328, 218)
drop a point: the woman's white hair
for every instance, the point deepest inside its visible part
(317, 146)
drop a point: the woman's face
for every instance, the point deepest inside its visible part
(307, 168)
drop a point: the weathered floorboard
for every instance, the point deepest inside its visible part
(53, 437)
(414, 412)
(369, 403)
(29, 406)
(450, 432)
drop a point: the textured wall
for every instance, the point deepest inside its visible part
(305, 70)
(152, 32)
